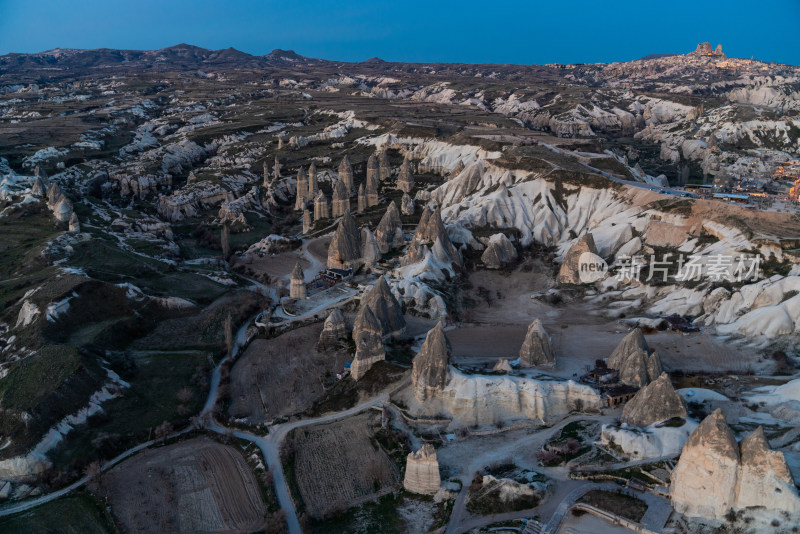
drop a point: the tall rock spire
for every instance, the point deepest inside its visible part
(431, 366)
(346, 175)
(344, 251)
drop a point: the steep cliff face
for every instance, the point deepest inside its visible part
(383, 304)
(536, 349)
(422, 471)
(715, 475)
(764, 477)
(344, 252)
(484, 400)
(431, 366)
(655, 402)
(704, 481)
(334, 329)
(369, 345)
(637, 365)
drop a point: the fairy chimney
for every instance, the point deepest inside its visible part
(297, 287)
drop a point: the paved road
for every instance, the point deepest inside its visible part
(28, 504)
(459, 518)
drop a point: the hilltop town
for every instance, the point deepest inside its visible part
(274, 293)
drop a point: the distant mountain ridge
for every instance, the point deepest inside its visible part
(70, 62)
(179, 57)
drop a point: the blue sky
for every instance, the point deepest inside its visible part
(495, 31)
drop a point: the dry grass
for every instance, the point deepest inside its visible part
(282, 376)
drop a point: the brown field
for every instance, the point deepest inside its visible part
(282, 376)
(198, 485)
(339, 465)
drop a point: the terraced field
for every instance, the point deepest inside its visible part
(339, 465)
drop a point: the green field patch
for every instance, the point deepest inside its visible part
(79, 513)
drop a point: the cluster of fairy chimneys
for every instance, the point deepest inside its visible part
(351, 248)
(316, 206)
(636, 364)
(379, 318)
(716, 476)
(58, 203)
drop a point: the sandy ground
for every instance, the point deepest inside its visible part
(281, 376)
(319, 247)
(279, 265)
(197, 485)
(590, 524)
(418, 326)
(579, 333)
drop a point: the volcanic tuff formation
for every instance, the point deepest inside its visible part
(499, 253)
(369, 344)
(422, 471)
(636, 364)
(297, 287)
(502, 366)
(371, 190)
(334, 329)
(321, 210)
(370, 253)
(313, 185)
(715, 475)
(344, 251)
(362, 199)
(655, 402)
(384, 169)
(569, 272)
(384, 305)
(431, 234)
(536, 349)
(341, 199)
(405, 180)
(302, 189)
(407, 204)
(431, 365)
(373, 171)
(389, 233)
(345, 172)
(74, 223)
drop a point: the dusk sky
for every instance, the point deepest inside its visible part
(426, 31)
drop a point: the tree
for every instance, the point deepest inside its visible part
(163, 431)
(225, 242)
(94, 471)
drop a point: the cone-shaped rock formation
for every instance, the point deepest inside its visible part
(344, 251)
(536, 349)
(657, 401)
(431, 366)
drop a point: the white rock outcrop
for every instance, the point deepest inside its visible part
(499, 253)
(716, 475)
(422, 471)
